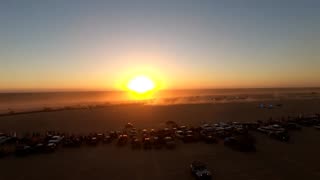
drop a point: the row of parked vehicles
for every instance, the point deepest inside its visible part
(279, 129)
(28, 145)
(235, 135)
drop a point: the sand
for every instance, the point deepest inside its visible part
(297, 159)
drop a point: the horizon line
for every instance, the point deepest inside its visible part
(168, 89)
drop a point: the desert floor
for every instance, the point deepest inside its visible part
(298, 159)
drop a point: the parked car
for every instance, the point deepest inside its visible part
(251, 125)
(113, 134)
(122, 140)
(147, 143)
(133, 133)
(157, 142)
(56, 139)
(128, 126)
(179, 134)
(292, 126)
(135, 143)
(51, 147)
(209, 139)
(92, 141)
(23, 150)
(172, 124)
(4, 139)
(279, 135)
(39, 148)
(99, 136)
(169, 142)
(72, 142)
(182, 128)
(200, 171)
(144, 131)
(107, 139)
(188, 138)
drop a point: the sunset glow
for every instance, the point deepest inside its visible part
(141, 84)
(102, 45)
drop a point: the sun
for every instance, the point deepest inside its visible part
(141, 84)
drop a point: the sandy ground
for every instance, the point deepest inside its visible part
(275, 160)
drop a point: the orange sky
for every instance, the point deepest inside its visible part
(181, 45)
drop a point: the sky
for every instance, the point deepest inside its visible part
(99, 45)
